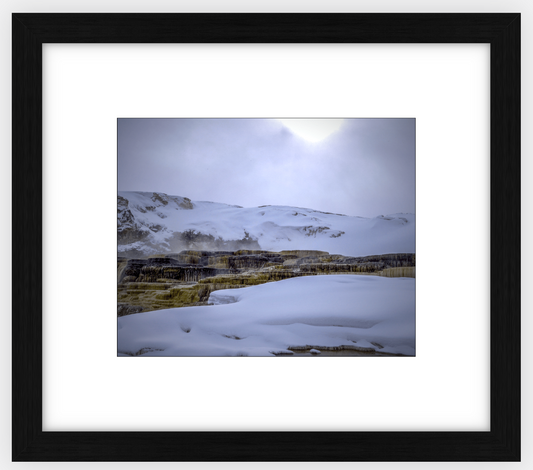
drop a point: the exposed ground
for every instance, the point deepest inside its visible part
(187, 278)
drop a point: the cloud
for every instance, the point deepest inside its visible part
(365, 168)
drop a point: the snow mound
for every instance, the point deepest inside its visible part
(335, 312)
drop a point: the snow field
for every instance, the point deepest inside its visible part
(333, 311)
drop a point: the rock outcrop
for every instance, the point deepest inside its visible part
(188, 277)
(128, 231)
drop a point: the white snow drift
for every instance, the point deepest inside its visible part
(275, 228)
(316, 311)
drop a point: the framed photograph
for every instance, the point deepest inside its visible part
(300, 47)
(315, 273)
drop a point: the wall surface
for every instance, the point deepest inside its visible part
(9, 6)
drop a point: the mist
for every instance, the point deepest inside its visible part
(365, 168)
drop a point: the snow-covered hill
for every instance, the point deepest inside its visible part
(150, 223)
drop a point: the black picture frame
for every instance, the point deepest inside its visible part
(501, 31)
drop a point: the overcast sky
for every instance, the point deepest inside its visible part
(365, 168)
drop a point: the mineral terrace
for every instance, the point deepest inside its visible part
(187, 278)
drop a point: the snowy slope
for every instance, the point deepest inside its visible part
(147, 223)
(319, 311)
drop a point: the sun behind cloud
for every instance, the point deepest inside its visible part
(313, 130)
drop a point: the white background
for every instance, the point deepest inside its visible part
(272, 6)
